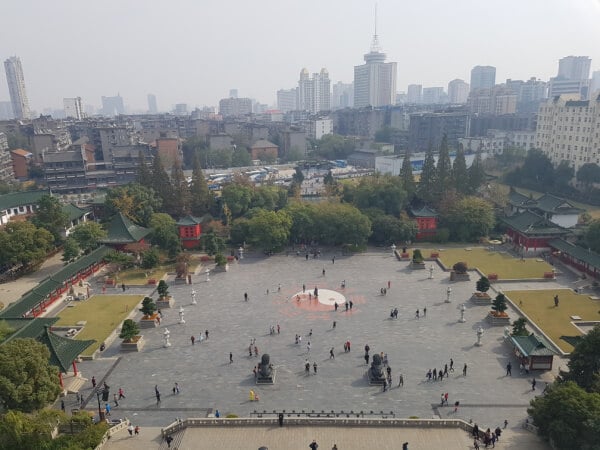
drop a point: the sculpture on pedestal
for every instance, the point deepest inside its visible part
(375, 372)
(265, 370)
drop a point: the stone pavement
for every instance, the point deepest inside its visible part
(208, 381)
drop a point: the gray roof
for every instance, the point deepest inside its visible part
(532, 345)
(580, 253)
(15, 199)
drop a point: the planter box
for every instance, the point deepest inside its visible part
(549, 275)
(404, 256)
(481, 298)
(167, 302)
(434, 255)
(416, 265)
(149, 322)
(459, 276)
(224, 268)
(498, 321)
(133, 346)
(152, 282)
(492, 276)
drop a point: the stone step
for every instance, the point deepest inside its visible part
(74, 384)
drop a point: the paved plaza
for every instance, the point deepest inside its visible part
(208, 381)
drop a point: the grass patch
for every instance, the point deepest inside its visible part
(103, 314)
(140, 277)
(506, 266)
(556, 322)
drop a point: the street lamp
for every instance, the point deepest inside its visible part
(100, 412)
(393, 249)
(448, 292)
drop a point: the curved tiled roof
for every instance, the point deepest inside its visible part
(123, 231)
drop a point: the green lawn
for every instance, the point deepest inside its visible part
(103, 314)
(556, 322)
(502, 264)
(140, 277)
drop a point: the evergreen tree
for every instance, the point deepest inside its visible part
(181, 191)
(144, 177)
(161, 183)
(427, 183)
(444, 169)
(408, 180)
(201, 200)
(476, 173)
(459, 173)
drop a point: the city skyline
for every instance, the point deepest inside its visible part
(258, 48)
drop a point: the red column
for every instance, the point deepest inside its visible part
(60, 379)
(74, 368)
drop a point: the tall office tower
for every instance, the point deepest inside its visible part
(375, 81)
(483, 77)
(433, 95)
(113, 106)
(414, 93)
(314, 93)
(595, 82)
(574, 67)
(233, 93)
(458, 91)
(73, 108)
(152, 106)
(16, 88)
(286, 100)
(343, 95)
(235, 107)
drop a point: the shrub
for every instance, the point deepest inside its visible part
(150, 259)
(499, 304)
(163, 288)
(129, 330)
(460, 267)
(442, 235)
(148, 306)
(231, 416)
(518, 327)
(220, 260)
(483, 284)
(417, 256)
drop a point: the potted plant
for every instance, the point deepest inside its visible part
(164, 299)
(459, 272)
(498, 315)
(221, 264)
(518, 327)
(149, 310)
(130, 333)
(481, 297)
(417, 260)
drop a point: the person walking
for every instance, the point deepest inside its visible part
(121, 393)
(169, 439)
(384, 385)
(130, 430)
(123, 286)
(424, 312)
(245, 296)
(206, 333)
(107, 409)
(62, 405)
(230, 357)
(137, 430)
(308, 347)
(451, 365)
(465, 370)
(93, 382)
(315, 367)
(367, 359)
(313, 445)
(509, 369)
(533, 384)
(401, 380)
(456, 404)
(116, 400)
(193, 339)
(331, 354)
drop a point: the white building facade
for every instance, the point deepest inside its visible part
(16, 88)
(375, 81)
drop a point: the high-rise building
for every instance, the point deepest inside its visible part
(286, 100)
(234, 107)
(567, 130)
(314, 93)
(595, 83)
(434, 95)
(113, 106)
(375, 81)
(497, 100)
(483, 77)
(414, 93)
(73, 108)
(574, 67)
(16, 88)
(343, 95)
(152, 105)
(529, 93)
(458, 91)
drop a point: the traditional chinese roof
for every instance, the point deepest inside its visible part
(15, 199)
(532, 224)
(520, 200)
(123, 231)
(425, 211)
(27, 328)
(532, 345)
(190, 221)
(556, 205)
(74, 212)
(580, 253)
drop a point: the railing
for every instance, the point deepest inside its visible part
(110, 432)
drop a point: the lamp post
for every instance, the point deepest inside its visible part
(448, 292)
(207, 275)
(100, 412)
(166, 336)
(194, 302)
(241, 252)
(462, 314)
(181, 313)
(431, 272)
(479, 334)
(393, 249)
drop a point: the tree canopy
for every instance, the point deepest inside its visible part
(24, 243)
(134, 201)
(384, 192)
(50, 215)
(164, 233)
(201, 200)
(27, 380)
(469, 219)
(427, 183)
(584, 362)
(88, 235)
(592, 236)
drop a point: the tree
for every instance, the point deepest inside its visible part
(194, 148)
(444, 180)
(201, 201)
(162, 289)
(518, 327)
(150, 258)
(240, 157)
(476, 173)
(129, 330)
(5, 330)
(161, 183)
(212, 243)
(164, 233)
(237, 198)
(538, 167)
(144, 177)
(302, 215)
(269, 230)
(27, 380)
(148, 306)
(134, 201)
(50, 215)
(387, 229)
(417, 256)
(88, 235)
(592, 236)
(584, 362)
(24, 243)
(336, 224)
(427, 182)
(298, 176)
(31, 431)
(334, 146)
(469, 219)
(460, 175)
(120, 259)
(180, 205)
(384, 192)
(499, 304)
(588, 174)
(71, 250)
(483, 284)
(568, 416)
(563, 174)
(406, 174)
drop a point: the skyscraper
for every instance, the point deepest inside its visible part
(113, 106)
(458, 91)
(483, 77)
(375, 81)
(574, 67)
(343, 95)
(286, 100)
(414, 93)
(73, 108)
(152, 106)
(314, 94)
(16, 88)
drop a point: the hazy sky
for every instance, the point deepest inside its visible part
(194, 51)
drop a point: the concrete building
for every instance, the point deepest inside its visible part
(169, 150)
(458, 91)
(483, 77)
(572, 78)
(286, 100)
(529, 93)
(496, 100)
(263, 148)
(414, 93)
(181, 109)
(16, 88)
(560, 86)
(6, 163)
(113, 106)
(375, 81)
(481, 124)
(595, 83)
(20, 161)
(320, 127)
(152, 105)
(343, 95)
(314, 93)
(235, 107)
(497, 141)
(73, 108)
(428, 129)
(434, 95)
(568, 130)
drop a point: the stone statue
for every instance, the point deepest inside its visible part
(265, 370)
(376, 370)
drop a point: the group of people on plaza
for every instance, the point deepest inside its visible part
(488, 438)
(438, 375)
